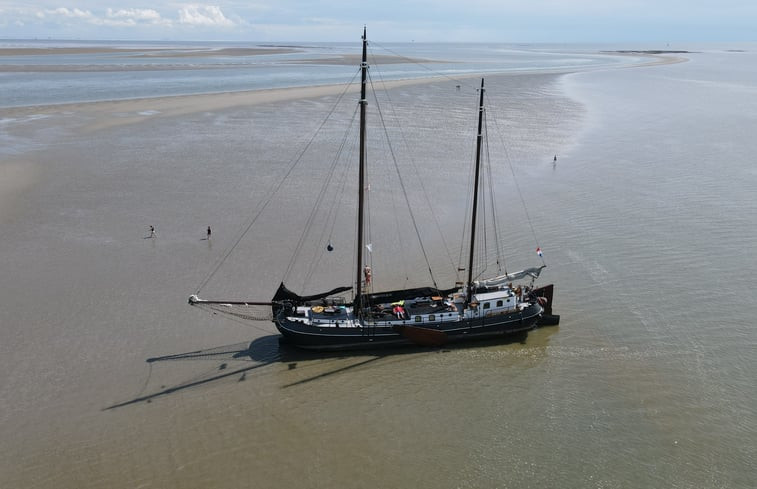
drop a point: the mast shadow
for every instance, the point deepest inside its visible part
(261, 352)
(271, 350)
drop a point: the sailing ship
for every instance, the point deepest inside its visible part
(429, 316)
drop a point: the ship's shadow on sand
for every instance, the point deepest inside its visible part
(270, 350)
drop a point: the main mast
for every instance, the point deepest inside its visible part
(475, 192)
(358, 304)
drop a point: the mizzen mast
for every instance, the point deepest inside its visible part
(358, 304)
(479, 138)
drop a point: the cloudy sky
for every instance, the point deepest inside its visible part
(387, 20)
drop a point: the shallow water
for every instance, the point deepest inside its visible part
(108, 378)
(137, 73)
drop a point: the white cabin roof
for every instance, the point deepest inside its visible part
(490, 296)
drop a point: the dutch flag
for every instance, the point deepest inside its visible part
(538, 252)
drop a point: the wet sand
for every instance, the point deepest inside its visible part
(25, 123)
(15, 178)
(101, 115)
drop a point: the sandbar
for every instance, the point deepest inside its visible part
(147, 52)
(106, 114)
(355, 59)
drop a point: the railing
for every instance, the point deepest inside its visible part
(447, 316)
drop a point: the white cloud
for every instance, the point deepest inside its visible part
(71, 13)
(113, 18)
(203, 15)
(192, 15)
(134, 17)
(147, 15)
(430, 20)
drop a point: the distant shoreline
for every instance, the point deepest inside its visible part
(157, 53)
(658, 56)
(645, 51)
(150, 52)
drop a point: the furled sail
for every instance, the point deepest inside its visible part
(510, 277)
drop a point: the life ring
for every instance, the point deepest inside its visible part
(542, 301)
(317, 309)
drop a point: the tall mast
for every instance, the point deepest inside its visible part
(475, 191)
(358, 304)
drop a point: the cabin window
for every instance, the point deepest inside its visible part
(499, 303)
(487, 305)
(418, 319)
(431, 317)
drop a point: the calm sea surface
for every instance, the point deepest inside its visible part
(648, 222)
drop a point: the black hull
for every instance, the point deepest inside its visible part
(545, 295)
(549, 320)
(371, 337)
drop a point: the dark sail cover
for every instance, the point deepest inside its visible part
(284, 294)
(398, 295)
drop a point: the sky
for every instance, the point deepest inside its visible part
(650, 21)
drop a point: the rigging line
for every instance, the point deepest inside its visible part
(483, 260)
(469, 201)
(404, 192)
(418, 63)
(330, 219)
(319, 200)
(482, 234)
(492, 195)
(332, 214)
(234, 318)
(340, 192)
(367, 215)
(419, 179)
(517, 187)
(400, 235)
(269, 197)
(393, 188)
(369, 227)
(484, 211)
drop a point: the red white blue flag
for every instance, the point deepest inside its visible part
(538, 252)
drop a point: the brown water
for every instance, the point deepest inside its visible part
(647, 221)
